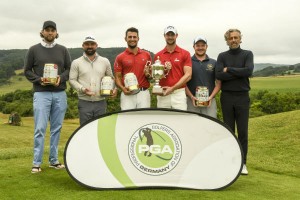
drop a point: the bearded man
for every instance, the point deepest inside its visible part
(86, 74)
(50, 99)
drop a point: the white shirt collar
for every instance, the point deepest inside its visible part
(44, 44)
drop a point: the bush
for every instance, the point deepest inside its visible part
(262, 103)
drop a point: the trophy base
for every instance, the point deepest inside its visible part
(106, 93)
(157, 90)
(202, 103)
(50, 81)
(134, 89)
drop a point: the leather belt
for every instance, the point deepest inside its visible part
(143, 88)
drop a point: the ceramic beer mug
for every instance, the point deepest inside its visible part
(107, 86)
(131, 83)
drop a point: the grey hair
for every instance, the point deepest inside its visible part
(226, 35)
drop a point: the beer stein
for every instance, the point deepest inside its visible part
(50, 74)
(131, 83)
(202, 96)
(107, 86)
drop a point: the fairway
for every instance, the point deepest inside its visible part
(279, 84)
(273, 166)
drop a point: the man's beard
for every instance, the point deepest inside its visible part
(90, 52)
(171, 42)
(49, 40)
(132, 46)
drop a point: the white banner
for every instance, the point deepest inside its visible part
(154, 148)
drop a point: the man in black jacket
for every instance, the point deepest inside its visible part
(234, 67)
(47, 66)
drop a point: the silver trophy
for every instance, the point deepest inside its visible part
(158, 71)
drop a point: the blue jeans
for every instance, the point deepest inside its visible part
(48, 106)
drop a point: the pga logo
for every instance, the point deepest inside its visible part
(155, 149)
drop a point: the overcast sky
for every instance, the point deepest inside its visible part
(270, 28)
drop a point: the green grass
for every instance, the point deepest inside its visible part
(17, 82)
(276, 84)
(273, 165)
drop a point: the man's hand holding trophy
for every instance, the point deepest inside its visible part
(157, 71)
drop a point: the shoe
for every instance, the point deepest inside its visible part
(36, 169)
(244, 170)
(57, 166)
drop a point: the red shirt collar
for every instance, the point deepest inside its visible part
(177, 49)
(129, 52)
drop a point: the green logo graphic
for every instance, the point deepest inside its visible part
(154, 149)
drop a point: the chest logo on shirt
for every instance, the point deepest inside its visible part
(128, 62)
(176, 60)
(209, 67)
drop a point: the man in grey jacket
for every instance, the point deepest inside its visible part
(85, 77)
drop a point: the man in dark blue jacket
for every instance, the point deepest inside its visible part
(234, 67)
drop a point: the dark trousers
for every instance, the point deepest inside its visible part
(90, 109)
(235, 108)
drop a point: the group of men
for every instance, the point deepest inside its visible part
(230, 73)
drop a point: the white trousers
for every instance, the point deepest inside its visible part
(139, 100)
(175, 100)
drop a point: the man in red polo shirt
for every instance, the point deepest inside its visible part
(132, 60)
(180, 73)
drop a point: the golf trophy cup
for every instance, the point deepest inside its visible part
(158, 71)
(107, 86)
(131, 83)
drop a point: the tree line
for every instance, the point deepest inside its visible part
(11, 60)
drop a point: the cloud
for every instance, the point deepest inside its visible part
(270, 28)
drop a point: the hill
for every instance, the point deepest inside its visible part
(11, 60)
(260, 66)
(278, 71)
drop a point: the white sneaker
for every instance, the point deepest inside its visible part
(244, 170)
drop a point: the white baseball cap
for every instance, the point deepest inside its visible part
(199, 38)
(89, 38)
(170, 28)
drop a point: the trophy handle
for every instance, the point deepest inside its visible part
(167, 68)
(148, 63)
(147, 67)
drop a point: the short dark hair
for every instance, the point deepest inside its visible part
(132, 29)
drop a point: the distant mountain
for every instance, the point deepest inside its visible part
(260, 66)
(278, 70)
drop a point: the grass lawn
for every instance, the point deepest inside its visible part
(279, 84)
(273, 165)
